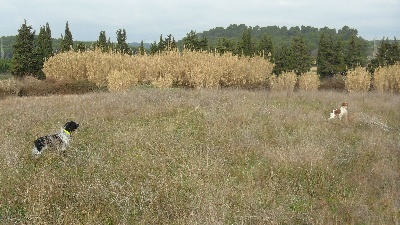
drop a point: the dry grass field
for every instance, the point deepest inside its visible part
(179, 156)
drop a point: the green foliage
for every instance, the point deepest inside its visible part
(283, 60)
(353, 53)
(294, 58)
(102, 42)
(5, 65)
(246, 47)
(330, 59)
(388, 54)
(265, 47)
(122, 46)
(301, 56)
(43, 49)
(193, 42)
(166, 44)
(225, 45)
(66, 40)
(24, 61)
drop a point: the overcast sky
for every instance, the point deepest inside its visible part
(146, 20)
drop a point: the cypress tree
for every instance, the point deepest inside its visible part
(23, 60)
(141, 48)
(67, 42)
(102, 42)
(43, 49)
(122, 46)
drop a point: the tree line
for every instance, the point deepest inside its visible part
(337, 52)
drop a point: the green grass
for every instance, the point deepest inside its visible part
(174, 156)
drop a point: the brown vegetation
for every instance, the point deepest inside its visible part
(177, 156)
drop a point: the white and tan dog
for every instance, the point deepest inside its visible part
(341, 112)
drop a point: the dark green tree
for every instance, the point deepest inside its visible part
(387, 54)
(67, 42)
(225, 45)
(102, 42)
(153, 48)
(190, 41)
(161, 44)
(353, 55)
(43, 49)
(193, 42)
(23, 60)
(283, 60)
(122, 46)
(339, 63)
(246, 45)
(141, 48)
(301, 60)
(81, 47)
(265, 47)
(326, 56)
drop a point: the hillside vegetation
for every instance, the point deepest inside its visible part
(176, 156)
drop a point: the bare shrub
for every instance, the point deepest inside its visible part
(309, 81)
(358, 80)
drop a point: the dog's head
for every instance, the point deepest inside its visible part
(345, 104)
(71, 126)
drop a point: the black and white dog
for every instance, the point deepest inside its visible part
(58, 141)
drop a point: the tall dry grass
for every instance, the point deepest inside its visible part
(166, 69)
(283, 82)
(177, 156)
(309, 81)
(358, 80)
(387, 79)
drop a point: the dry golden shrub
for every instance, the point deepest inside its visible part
(284, 82)
(309, 81)
(166, 69)
(387, 79)
(358, 80)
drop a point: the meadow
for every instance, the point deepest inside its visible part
(202, 156)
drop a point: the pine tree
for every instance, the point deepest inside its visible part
(326, 56)
(283, 60)
(225, 45)
(23, 60)
(353, 56)
(190, 41)
(338, 58)
(301, 60)
(67, 42)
